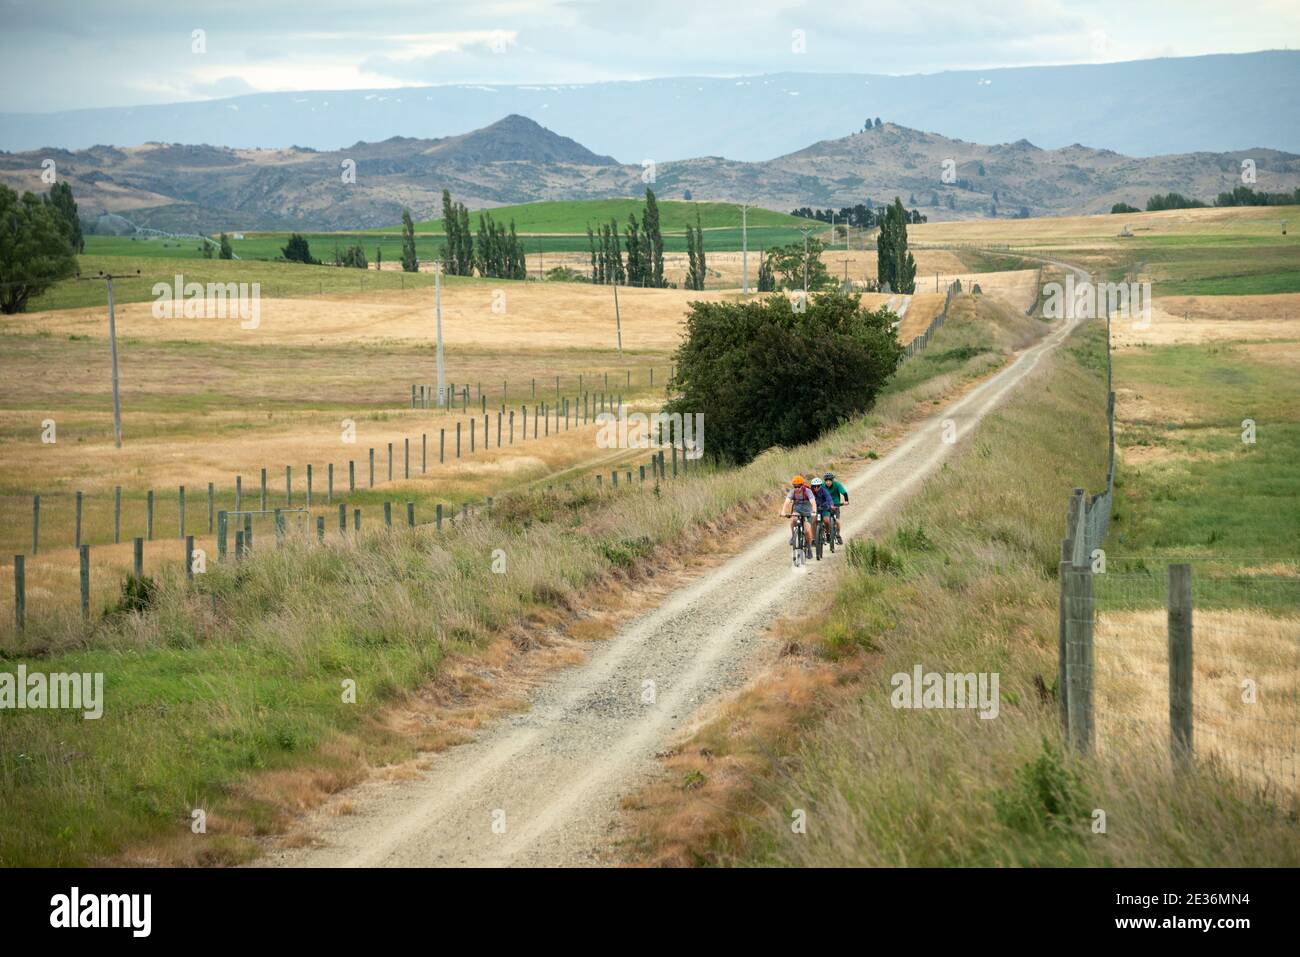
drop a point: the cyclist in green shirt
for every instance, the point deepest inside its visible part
(839, 495)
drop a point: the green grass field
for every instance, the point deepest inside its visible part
(572, 216)
(278, 279)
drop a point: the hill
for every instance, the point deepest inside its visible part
(1140, 107)
(187, 188)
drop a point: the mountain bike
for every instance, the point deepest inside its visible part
(798, 540)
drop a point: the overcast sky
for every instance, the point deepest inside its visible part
(60, 54)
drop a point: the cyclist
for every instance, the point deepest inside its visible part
(800, 501)
(824, 504)
(838, 491)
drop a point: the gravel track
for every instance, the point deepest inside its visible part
(554, 774)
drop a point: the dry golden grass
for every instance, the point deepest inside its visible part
(1202, 319)
(1255, 740)
(1104, 229)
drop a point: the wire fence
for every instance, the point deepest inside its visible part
(1204, 652)
(1244, 682)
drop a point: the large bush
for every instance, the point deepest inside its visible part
(34, 249)
(764, 373)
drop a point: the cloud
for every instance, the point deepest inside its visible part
(225, 86)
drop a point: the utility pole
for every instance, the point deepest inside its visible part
(112, 349)
(437, 309)
(744, 246)
(618, 323)
(805, 230)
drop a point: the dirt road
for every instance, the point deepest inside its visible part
(542, 787)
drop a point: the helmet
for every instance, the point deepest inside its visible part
(816, 482)
(829, 476)
(797, 481)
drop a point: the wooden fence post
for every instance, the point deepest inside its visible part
(352, 476)
(1179, 621)
(288, 485)
(239, 493)
(223, 522)
(372, 467)
(77, 534)
(137, 557)
(20, 592)
(212, 505)
(390, 461)
(356, 520)
(343, 518)
(264, 497)
(442, 446)
(189, 557)
(85, 579)
(320, 529)
(388, 513)
(437, 517)
(410, 515)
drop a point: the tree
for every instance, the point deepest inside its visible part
(354, 256)
(894, 264)
(410, 262)
(655, 240)
(226, 251)
(595, 268)
(379, 257)
(1124, 208)
(745, 365)
(692, 280)
(636, 269)
(60, 197)
(296, 250)
(35, 251)
(766, 278)
(790, 262)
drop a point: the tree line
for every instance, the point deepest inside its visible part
(1240, 196)
(863, 215)
(643, 244)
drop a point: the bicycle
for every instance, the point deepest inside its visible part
(798, 541)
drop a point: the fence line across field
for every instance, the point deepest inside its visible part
(241, 522)
(566, 413)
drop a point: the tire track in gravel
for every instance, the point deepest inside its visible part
(554, 774)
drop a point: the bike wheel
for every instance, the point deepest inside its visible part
(817, 541)
(834, 531)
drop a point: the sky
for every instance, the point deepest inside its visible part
(61, 54)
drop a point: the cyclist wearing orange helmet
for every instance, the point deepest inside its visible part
(800, 501)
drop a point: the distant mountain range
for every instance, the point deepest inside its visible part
(514, 160)
(1141, 108)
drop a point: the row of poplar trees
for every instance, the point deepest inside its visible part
(644, 246)
(496, 252)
